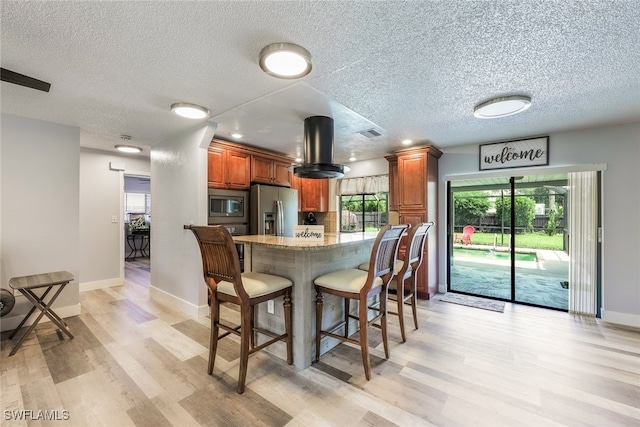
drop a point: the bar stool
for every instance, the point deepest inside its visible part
(407, 275)
(361, 286)
(221, 268)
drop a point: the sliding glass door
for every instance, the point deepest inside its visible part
(508, 239)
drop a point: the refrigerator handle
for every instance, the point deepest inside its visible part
(279, 218)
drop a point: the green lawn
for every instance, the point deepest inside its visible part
(538, 240)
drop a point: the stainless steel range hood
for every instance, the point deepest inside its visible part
(318, 150)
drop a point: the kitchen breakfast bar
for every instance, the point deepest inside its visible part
(302, 261)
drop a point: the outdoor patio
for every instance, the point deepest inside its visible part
(538, 282)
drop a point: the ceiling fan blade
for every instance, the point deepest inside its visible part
(22, 80)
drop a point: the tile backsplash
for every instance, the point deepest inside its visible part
(328, 219)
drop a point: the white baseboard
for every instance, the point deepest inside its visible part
(11, 322)
(621, 318)
(442, 288)
(101, 284)
(178, 303)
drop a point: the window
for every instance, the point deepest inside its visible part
(363, 212)
(137, 203)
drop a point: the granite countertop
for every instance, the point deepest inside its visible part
(330, 240)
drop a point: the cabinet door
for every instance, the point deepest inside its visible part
(237, 170)
(215, 168)
(261, 170)
(393, 185)
(412, 173)
(281, 174)
(296, 185)
(315, 195)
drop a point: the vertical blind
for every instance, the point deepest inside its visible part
(583, 241)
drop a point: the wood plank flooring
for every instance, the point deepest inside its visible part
(137, 362)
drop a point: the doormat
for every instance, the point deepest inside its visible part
(483, 303)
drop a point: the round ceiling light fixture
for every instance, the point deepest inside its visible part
(125, 148)
(285, 60)
(502, 106)
(190, 111)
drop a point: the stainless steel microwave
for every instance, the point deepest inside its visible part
(228, 206)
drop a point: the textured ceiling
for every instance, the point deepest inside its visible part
(408, 69)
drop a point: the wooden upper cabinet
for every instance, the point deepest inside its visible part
(295, 184)
(261, 170)
(266, 170)
(281, 174)
(412, 173)
(238, 166)
(228, 169)
(314, 195)
(216, 168)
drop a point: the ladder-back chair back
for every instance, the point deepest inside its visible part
(405, 282)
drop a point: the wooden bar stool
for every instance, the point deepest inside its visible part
(361, 286)
(408, 273)
(221, 268)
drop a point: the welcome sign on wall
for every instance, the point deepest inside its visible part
(515, 154)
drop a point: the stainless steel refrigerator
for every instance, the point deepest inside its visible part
(273, 210)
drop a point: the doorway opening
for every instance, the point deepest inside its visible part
(137, 224)
(508, 239)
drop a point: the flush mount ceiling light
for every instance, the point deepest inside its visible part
(502, 106)
(125, 148)
(190, 111)
(285, 60)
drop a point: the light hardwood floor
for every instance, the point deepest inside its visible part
(137, 362)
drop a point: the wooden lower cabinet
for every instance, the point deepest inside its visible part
(427, 273)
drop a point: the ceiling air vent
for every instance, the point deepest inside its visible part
(370, 133)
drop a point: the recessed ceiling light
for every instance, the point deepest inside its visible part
(352, 159)
(502, 106)
(190, 111)
(406, 142)
(237, 135)
(285, 60)
(298, 160)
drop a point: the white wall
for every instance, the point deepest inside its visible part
(367, 168)
(102, 254)
(619, 148)
(40, 207)
(179, 197)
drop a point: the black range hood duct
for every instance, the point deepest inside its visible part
(318, 150)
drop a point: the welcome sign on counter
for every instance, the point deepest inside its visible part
(309, 233)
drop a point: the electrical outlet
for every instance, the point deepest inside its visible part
(114, 219)
(271, 309)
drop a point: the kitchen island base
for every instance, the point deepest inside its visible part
(302, 263)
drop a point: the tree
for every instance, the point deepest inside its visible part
(552, 224)
(470, 206)
(525, 211)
